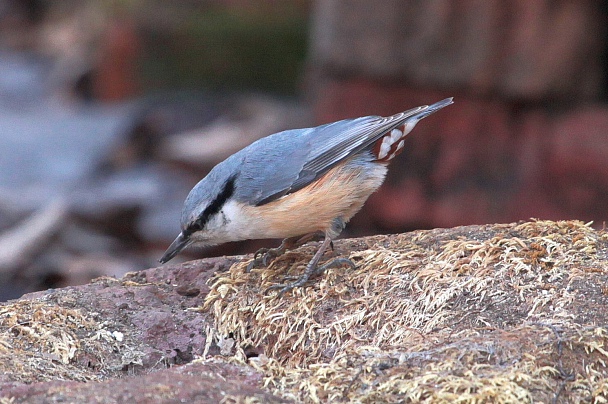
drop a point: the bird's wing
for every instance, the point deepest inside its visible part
(288, 161)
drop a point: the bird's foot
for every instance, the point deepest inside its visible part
(263, 255)
(309, 272)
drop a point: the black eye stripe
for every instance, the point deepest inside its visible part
(214, 207)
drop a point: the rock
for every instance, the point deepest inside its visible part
(208, 382)
(504, 312)
(170, 334)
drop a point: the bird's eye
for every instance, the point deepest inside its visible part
(193, 227)
(213, 208)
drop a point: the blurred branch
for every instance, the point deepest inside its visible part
(20, 244)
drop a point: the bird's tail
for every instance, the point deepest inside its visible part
(391, 144)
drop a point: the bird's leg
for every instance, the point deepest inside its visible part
(333, 264)
(312, 269)
(308, 272)
(261, 256)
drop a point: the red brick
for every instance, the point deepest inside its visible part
(116, 70)
(340, 99)
(577, 163)
(579, 148)
(552, 49)
(532, 136)
(472, 206)
(399, 206)
(475, 142)
(521, 49)
(449, 157)
(535, 202)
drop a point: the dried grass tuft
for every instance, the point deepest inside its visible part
(475, 314)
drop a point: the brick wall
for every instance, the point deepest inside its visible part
(528, 133)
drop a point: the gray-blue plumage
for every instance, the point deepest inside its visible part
(227, 204)
(287, 161)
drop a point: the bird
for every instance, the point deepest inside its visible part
(297, 185)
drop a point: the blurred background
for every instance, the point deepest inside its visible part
(110, 111)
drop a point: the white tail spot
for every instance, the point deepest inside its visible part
(409, 125)
(396, 134)
(385, 147)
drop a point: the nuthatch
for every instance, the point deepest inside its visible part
(295, 184)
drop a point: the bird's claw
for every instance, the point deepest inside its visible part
(299, 281)
(260, 252)
(261, 257)
(286, 287)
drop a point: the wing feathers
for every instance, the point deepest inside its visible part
(332, 143)
(354, 138)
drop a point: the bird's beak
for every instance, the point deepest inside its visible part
(176, 246)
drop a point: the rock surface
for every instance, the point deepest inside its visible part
(479, 313)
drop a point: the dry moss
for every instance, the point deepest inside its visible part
(502, 313)
(38, 340)
(42, 341)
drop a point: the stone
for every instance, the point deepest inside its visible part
(514, 310)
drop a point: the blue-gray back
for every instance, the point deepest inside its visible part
(287, 161)
(284, 162)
